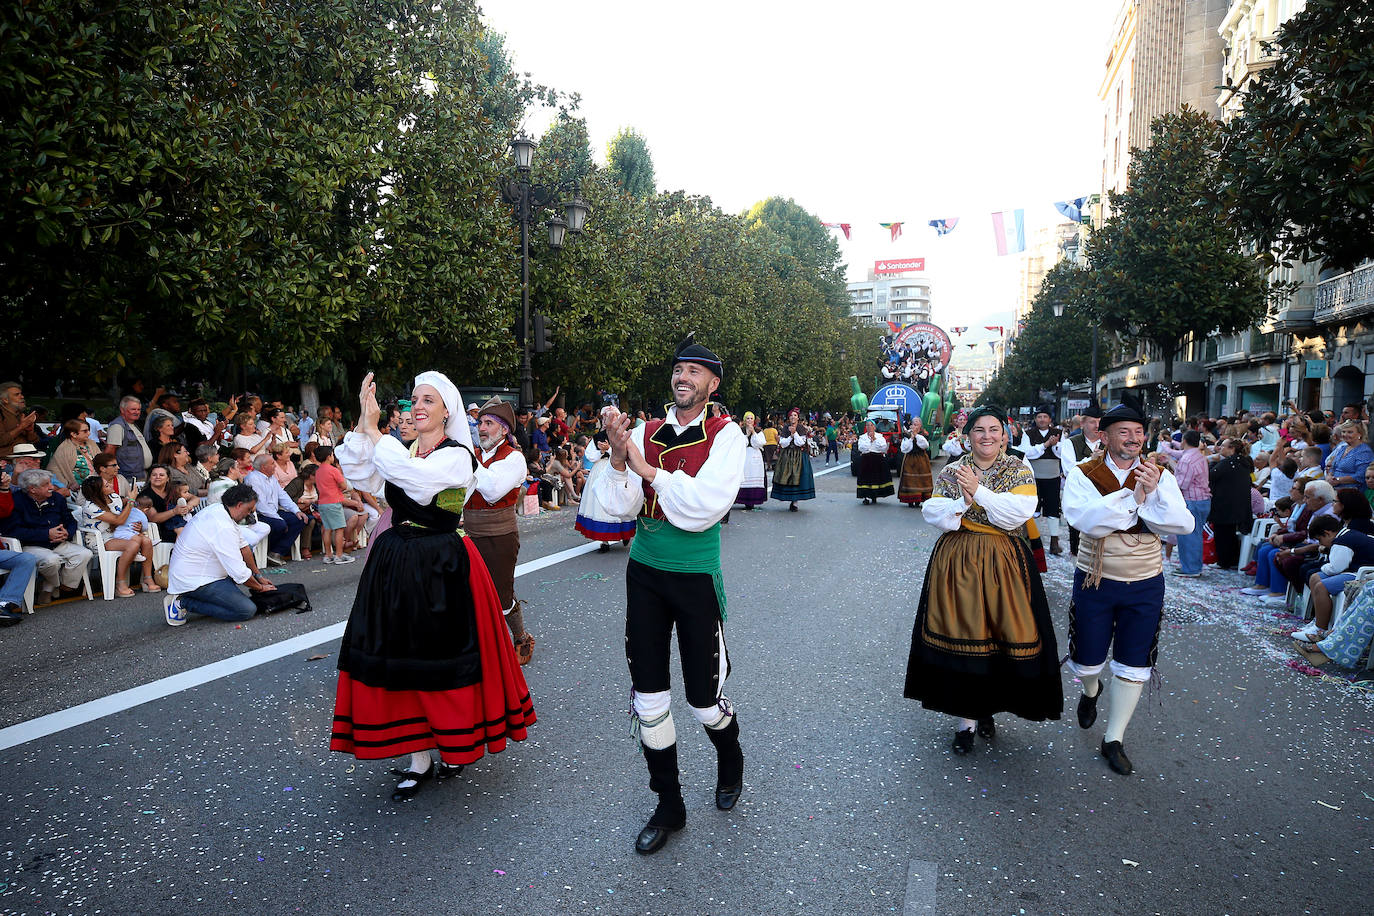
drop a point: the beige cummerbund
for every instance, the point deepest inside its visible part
(1126, 557)
(489, 522)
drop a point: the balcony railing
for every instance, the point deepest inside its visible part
(1349, 295)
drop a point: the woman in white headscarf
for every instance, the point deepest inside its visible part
(426, 662)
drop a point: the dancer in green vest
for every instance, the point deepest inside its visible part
(678, 477)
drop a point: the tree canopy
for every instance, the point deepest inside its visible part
(1298, 161)
(630, 164)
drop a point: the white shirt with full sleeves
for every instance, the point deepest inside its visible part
(1163, 512)
(1007, 511)
(872, 445)
(953, 448)
(1033, 452)
(206, 551)
(758, 440)
(907, 443)
(692, 503)
(390, 462)
(495, 481)
(1068, 458)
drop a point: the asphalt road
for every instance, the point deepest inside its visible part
(1253, 790)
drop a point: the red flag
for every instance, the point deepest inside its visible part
(894, 228)
(994, 327)
(843, 227)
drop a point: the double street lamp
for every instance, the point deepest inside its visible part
(529, 200)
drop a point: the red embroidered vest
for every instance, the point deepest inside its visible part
(666, 449)
(478, 502)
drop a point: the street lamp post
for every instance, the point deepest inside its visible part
(528, 200)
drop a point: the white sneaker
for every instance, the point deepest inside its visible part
(345, 560)
(1275, 600)
(173, 611)
(1254, 590)
(1309, 633)
(328, 558)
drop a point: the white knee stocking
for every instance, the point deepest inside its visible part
(1120, 706)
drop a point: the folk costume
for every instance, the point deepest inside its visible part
(1080, 448)
(594, 522)
(793, 479)
(916, 484)
(753, 490)
(674, 580)
(1118, 587)
(1047, 466)
(425, 661)
(875, 480)
(983, 642)
(489, 519)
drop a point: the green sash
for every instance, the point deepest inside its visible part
(660, 544)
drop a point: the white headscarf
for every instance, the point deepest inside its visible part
(457, 426)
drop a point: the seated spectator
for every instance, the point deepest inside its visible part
(1348, 546)
(198, 474)
(1345, 644)
(208, 563)
(74, 459)
(164, 404)
(1310, 463)
(44, 524)
(230, 471)
(285, 469)
(177, 459)
(1350, 459)
(307, 497)
(324, 432)
(125, 440)
(30, 458)
(308, 455)
(1281, 476)
(539, 438)
(277, 510)
(169, 517)
(1290, 546)
(21, 567)
(16, 425)
(278, 433)
(197, 428)
(125, 525)
(560, 467)
(248, 436)
(107, 468)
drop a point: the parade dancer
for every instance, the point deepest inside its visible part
(1040, 446)
(793, 479)
(1082, 446)
(425, 661)
(875, 480)
(593, 521)
(753, 491)
(983, 641)
(915, 484)
(489, 515)
(1121, 506)
(679, 476)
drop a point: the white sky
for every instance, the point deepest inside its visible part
(861, 111)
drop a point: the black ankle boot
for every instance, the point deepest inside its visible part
(671, 813)
(729, 764)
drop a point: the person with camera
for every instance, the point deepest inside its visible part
(678, 477)
(208, 565)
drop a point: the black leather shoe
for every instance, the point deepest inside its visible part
(651, 839)
(409, 792)
(8, 617)
(668, 818)
(727, 796)
(1087, 708)
(963, 742)
(444, 771)
(1116, 757)
(987, 728)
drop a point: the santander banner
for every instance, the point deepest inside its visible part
(899, 265)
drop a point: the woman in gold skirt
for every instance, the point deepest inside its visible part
(983, 641)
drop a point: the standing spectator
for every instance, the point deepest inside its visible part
(44, 525)
(305, 427)
(15, 425)
(330, 486)
(1193, 480)
(522, 429)
(74, 459)
(539, 439)
(1230, 510)
(559, 431)
(208, 562)
(472, 411)
(125, 441)
(275, 509)
(832, 441)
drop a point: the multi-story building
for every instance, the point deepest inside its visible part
(899, 298)
(1162, 54)
(1044, 248)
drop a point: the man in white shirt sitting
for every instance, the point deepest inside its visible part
(207, 563)
(277, 510)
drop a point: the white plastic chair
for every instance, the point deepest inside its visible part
(13, 544)
(1260, 532)
(109, 559)
(1363, 576)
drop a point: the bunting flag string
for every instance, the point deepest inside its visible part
(943, 227)
(992, 344)
(971, 346)
(995, 327)
(1009, 228)
(894, 228)
(843, 227)
(959, 331)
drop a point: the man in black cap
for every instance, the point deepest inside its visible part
(1121, 506)
(1040, 447)
(677, 477)
(1081, 446)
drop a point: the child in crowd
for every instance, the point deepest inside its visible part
(1310, 463)
(330, 486)
(1281, 477)
(137, 523)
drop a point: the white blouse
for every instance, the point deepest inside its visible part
(372, 467)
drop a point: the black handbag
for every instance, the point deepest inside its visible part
(285, 596)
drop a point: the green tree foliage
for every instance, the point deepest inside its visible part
(1298, 161)
(564, 152)
(630, 164)
(1167, 262)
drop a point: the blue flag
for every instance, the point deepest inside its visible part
(1072, 209)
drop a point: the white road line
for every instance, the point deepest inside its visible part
(831, 470)
(71, 717)
(920, 888)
